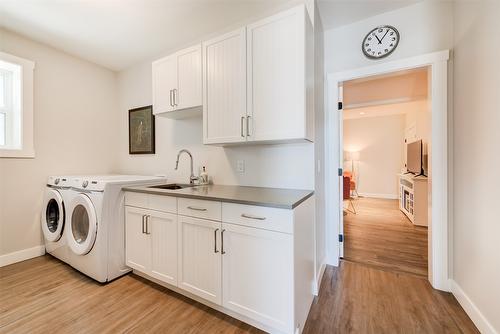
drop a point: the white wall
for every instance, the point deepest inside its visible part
(75, 132)
(319, 132)
(380, 143)
(424, 27)
(282, 166)
(477, 159)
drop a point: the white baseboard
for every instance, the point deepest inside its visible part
(384, 196)
(21, 255)
(319, 277)
(471, 309)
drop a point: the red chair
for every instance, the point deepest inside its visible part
(347, 194)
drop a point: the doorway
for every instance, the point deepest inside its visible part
(437, 64)
(385, 184)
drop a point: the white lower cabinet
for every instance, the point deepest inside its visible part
(199, 258)
(136, 240)
(151, 243)
(253, 262)
(257, 275)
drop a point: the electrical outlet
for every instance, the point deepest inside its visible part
(240, 166)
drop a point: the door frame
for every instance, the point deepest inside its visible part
(439, 226)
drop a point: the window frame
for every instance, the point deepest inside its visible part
(27, 149)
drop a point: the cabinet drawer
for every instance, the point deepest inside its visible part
(199, 208)
(136, 199)
(273, 219)
(151, 202)
(162, 203)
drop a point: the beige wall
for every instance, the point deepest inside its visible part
(476, 265)
(380, 143)
(425, 27)
(75, 132)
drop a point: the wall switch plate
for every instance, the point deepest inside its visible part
(240, 166)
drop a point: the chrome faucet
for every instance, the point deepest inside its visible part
(192, 178)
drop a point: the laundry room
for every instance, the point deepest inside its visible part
(184, 167)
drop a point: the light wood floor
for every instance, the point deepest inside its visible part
(382, 236)
(43, 295)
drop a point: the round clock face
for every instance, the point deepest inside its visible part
(380, 42)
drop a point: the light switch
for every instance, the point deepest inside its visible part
(240, 166)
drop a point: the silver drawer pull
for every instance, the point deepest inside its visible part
(244, 215)
(196, 209)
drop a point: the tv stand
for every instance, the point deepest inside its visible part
(413, 198)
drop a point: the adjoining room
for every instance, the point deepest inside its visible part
(386, 124)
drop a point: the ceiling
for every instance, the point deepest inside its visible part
(119, 33)
(397, 87)
(336, 13)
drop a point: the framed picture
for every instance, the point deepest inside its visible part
(141, 131)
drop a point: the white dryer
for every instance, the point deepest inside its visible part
(95, 230)
(53, 217)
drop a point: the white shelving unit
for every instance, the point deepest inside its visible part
(413, 198)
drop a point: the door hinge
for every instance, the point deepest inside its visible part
(341, 172)
(341, 238)
(340, 106)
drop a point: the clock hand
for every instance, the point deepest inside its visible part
(379, 40)
(384, 36)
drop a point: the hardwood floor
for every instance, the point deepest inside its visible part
(382, 236)
(43, 295)
(356, 298)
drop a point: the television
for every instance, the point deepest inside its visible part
(414, 157)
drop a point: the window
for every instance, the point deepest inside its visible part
(16, 107)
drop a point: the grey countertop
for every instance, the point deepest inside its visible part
(270, 197)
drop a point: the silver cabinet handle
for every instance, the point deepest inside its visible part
(244, 215)
(248, 126)
(215, 240)
(222, 251)
(143, 224)
(171, 104)
(241, 126)
(196, 209)
(148, 231)
(175, 97)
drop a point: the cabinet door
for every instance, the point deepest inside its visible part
(276, 76)
(224, 92)
(188, 92)
(199, 258)
(163, 232)
(164, 83)
(137, 242)
(258, 275)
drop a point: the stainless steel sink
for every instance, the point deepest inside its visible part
(173, 186)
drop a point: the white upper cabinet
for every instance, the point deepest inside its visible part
(177, 84)
(276, 80)
(224, 94)
(279, 82)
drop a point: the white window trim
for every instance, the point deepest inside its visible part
(27, 140)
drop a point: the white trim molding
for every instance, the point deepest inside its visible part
(319, 277)
(383, 196)
(22, 255)
(437, 62)
(27, 149)
(484, 326)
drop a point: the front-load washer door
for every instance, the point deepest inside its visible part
(52, 217)
(82, 225)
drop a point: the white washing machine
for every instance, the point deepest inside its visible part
(53, 217)
(95, 226)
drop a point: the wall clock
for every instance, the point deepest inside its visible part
(380, 42)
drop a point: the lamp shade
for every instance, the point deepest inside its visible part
(351, 155)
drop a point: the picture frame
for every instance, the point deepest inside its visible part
(141, 130)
